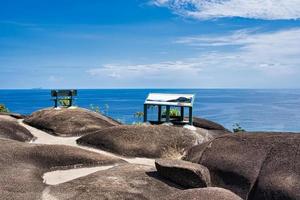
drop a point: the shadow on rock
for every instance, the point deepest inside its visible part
(152, 141)
(23, 165)
(10, 129)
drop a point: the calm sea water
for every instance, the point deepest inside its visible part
(269, 110)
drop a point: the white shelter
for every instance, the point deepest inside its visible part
(170, 100)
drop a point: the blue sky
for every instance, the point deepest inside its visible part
(149, 44)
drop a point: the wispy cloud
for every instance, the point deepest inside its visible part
(257, 9)
(150, 70)
(16, 23)
(264, 55)
(273, 52)
(240, 37)
(53, 78)
(81, 36)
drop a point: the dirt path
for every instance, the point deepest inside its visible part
(61, 176)
(45, 138)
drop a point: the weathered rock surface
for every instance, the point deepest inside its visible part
(253, 165)
(69, 121)
(14, 115)
(22, 166)
(209, 193)
(10, 129)
(211, 134)
(279, 177)
(144, 140)
(121, 182)
(183, 173)
(207, 124)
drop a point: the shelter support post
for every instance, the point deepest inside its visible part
(56, 102)
(71, 101)
(191, 115)
(181, 113)
(145, 112)
(167, 113)
(159, 113)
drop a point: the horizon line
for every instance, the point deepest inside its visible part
(163, 88)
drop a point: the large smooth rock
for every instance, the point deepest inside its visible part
(121, 182)
(211, 134)
(22, 166)
(154, 141)
(69, 121)
(210, 193)
(10, 129)
(207, 124)
(186, 174)
(253, 165)
(279, 176)
(14, 115)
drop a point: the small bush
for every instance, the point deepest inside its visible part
(95, 108)
(3, 108)
(106, 109)
(173, 112)
(64, 102)
(139, 116)
(237, 128)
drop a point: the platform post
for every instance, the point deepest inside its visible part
(182, 113)
(145, 112)
(159, 113)
(56, 101)
(168, 114)
(191, 115)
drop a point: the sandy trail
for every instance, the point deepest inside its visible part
(61, 176)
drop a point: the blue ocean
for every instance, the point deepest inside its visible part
(254, 110)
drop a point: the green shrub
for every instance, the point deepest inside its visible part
(139, 116)
(95, 108)
(64, 102)
(3, 108)
(106, 109)
(173, 112)
(237, 128)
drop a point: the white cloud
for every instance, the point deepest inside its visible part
(55, 78)
(258, 9)
(262, 59)
(136, 70)
(275, 52)
(81, 36)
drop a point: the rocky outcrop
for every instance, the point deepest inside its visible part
(207, 124)
(10, 129)
(253, 165)
(23, 165)
(14, 115)
(212, 129)
(144, 140)
(122, 182)
(183, 173)
(69, 121)
(279, 176)
(210, 193)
